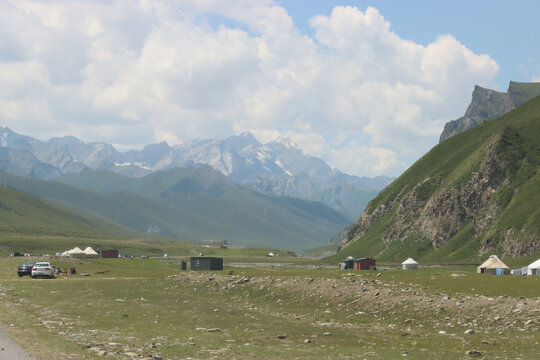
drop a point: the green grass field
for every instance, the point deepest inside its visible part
(129, 308)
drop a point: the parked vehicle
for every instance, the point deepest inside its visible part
(26, 268)
(42, 269)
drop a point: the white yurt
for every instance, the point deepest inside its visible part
(409, 264)
(493, 265)
(76, 253)
(90, 253)
(534, 268)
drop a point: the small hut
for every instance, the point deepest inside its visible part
(493, 265)
(409, 264)
(364, 264)
(108, 254)
(206, 263)
(347, 264)
(534, 268)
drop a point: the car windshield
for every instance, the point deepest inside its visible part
(42, 265)
(28, 264)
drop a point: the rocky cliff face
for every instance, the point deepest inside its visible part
(489, 104)
(438, 208)
(485, 105)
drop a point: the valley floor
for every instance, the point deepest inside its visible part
(133, 309)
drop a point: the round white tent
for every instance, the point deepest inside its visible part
(409, 264)
(76, 253)
(493, 265)
(534, 268)
(90, 253)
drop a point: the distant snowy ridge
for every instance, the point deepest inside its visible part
(277, 168)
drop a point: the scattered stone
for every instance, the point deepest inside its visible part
(408, 321)
(442, 332)
(307, 341)
(473, 353)
(213, 330)
(469, 331)
(282, 337)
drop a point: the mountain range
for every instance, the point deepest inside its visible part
(489, 104)
(279, 168)
(476, 193)
(190, 204)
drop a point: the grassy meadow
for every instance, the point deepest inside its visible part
(130, 308)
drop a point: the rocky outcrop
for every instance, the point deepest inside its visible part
(485, 105)
(437, 211)
(489, 104)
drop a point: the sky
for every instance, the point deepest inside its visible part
(365, 85)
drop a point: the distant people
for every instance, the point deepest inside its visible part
(59, 272)
(72, 271)
(231, 272)
(65, 271)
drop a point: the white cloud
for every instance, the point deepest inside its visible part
(132, 73)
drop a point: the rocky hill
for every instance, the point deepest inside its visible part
(475, 193)
(489, 104)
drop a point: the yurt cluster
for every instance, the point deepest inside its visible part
(493, 265)
(78, 253)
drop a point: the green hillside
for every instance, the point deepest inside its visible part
(522, 92)
(24, 215)
(475, 193)
(194, 204)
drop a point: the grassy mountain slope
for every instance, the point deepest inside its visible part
(194, 205)
(475, 193)
(522, 92)
(27, 215)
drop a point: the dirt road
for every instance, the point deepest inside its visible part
(10, 350)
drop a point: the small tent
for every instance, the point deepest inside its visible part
(76, 253)
(534, 268)
(493, 265)
(90, 253)
(409, 264)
